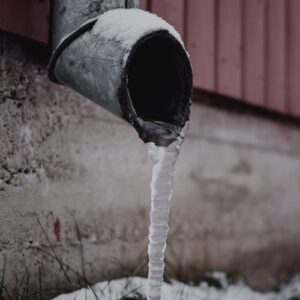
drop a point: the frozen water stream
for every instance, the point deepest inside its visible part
(164, 160)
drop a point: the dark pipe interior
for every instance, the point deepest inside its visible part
(160, 80)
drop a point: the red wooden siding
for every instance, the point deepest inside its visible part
(294, 57)
(254, 35)
(246, 49)
(276, 84)
(201, 41)
(229, 55)
(29, 18)
(144, 4)
(172, 11)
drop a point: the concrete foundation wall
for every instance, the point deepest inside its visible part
(65, 162)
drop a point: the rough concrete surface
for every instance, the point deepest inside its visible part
(74, 189)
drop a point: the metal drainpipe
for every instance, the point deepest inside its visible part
(130, 62)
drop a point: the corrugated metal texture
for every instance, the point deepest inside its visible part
(246, 49)
(28, 18)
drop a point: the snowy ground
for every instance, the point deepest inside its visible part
(135, 288)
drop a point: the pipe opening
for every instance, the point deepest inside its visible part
(160, 79)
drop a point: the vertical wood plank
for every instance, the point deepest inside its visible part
(201, 41)
(229, 58)
(27, 18)
(144, 4)
(172, 11)
(277, 55)
(294, 57)
(254, 55)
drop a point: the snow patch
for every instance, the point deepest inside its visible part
(135, 287)
(128, 25)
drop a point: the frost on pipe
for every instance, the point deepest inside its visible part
(133, 64)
